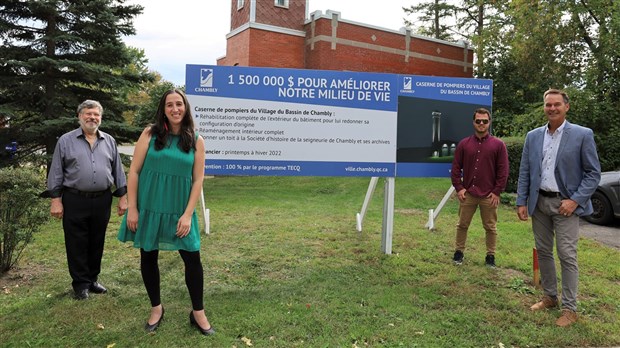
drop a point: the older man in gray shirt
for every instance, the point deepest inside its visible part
(85, 166)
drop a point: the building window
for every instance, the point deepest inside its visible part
(281, 3)
(240, 4)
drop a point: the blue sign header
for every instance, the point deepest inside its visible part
(372, 91)
(452, 89)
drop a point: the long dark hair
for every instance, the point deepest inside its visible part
(161, 127)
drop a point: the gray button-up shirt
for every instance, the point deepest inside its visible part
(551, 144)
(76, 165)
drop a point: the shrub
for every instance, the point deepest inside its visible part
(22, 212)
(514, 146)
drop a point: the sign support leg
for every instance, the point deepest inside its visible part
(205, 211)
(388, 216)
(371, 189)
(434, 213)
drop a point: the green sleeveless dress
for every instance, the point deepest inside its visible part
(164, 186)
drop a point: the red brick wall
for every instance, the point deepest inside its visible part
(237, 48)
(239, 17)
(264, 48)
(359, 59)
(292, 17)
(270, 49)
(359, 48)
(354, 59)
(363, 34)
(321, 27)
(380, 59)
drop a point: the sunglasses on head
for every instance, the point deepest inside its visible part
(479, 121)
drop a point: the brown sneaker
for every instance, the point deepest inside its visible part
(546, 302)
(567, 318)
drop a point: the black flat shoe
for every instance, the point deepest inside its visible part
(151, 328)
(207, 332)
(97, 288)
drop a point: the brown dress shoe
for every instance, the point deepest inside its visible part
(567, 318)
(546, 302)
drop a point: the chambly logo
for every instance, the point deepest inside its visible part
(407, 82)
(206, 77)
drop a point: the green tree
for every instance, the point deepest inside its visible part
(57, 53)
(433, 19)
(152, 94)
(574, 45)
(596, 50)
(135, 93)
(481, 22)
(529, 46)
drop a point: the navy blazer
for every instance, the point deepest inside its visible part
(577, 168)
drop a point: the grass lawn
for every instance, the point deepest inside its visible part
(285, 267)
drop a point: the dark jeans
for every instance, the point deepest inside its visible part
(85, 221)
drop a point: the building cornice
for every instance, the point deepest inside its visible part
(385, 49)
(403, 31)
(407, 53)
(266, 27)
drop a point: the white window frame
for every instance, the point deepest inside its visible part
(281, 3)
(240, 4)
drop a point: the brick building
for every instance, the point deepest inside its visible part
(282, 34)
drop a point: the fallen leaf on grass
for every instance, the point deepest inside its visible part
(100, 326)
(247, 341)
(7, 290)
(111, 345)
(419, 332)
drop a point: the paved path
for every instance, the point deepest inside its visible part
(608, 235)
(126, 149)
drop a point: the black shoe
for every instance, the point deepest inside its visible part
(192, 321)
(458, 257)
(81, 294)
(490, 261)
(97, 288)
(151, 328)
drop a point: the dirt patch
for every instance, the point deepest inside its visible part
(410, 211)
(510, 273)
(20, 276)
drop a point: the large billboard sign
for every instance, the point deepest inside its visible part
(292, 122)
(434, 114)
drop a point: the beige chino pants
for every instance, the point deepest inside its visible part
(488, 214)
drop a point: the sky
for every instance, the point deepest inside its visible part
(179, 32)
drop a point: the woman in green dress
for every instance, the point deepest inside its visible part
(163, 187)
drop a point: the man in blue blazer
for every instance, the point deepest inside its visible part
(559, 172)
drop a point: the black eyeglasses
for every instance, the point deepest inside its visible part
(479, 121)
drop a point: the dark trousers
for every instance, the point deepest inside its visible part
(194, 278)
(85, 221)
